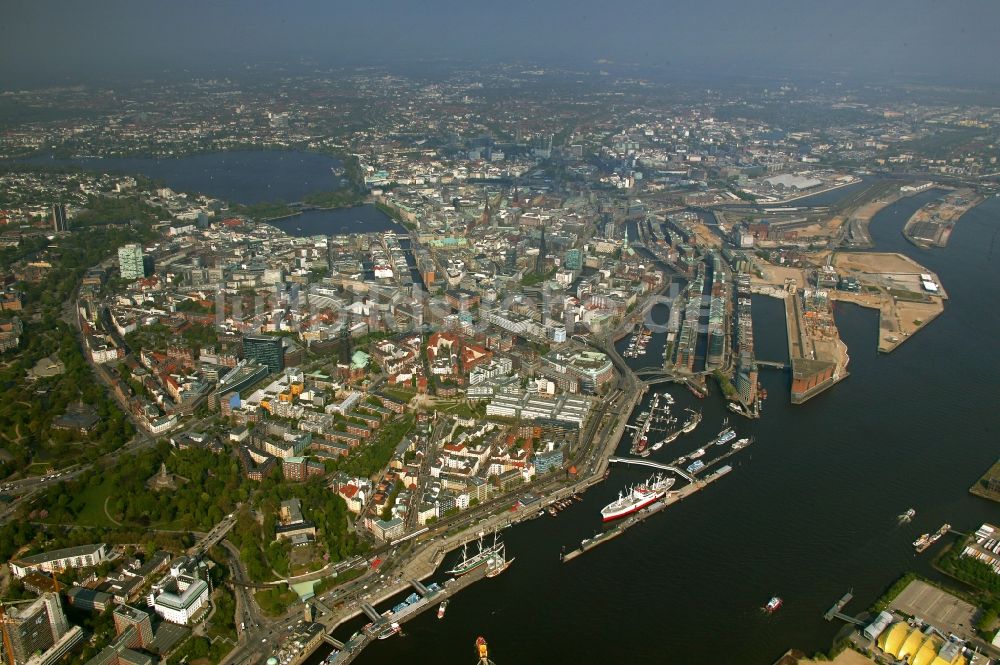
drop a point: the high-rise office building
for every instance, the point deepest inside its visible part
(36, 627)
(131, 261)
(265, 350)
(574, 259)
(127, 617)
(59, 221)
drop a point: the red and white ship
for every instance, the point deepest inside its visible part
(637, 498)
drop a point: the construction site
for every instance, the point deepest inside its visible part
(931, 226)
(907, 295)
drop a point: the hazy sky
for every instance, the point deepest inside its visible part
(64, 40)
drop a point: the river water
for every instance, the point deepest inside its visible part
(808, 512)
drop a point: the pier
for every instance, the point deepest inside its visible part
(672, 497)
(835, 611)
(356, 644)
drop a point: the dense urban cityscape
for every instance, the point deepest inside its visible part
(291, 355)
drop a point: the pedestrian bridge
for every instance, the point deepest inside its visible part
(654, 465)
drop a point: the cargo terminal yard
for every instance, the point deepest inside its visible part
(931, 226)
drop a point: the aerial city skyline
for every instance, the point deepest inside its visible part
(504, 334)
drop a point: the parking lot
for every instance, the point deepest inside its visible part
(937, 608)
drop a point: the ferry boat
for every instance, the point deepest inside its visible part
(392, 629)
(773, 605)
(737, 408)
(698, 453)
(441, 608)
(725, 436)
(469, 563)
(637, 498)
(697, 466)
(742, 443)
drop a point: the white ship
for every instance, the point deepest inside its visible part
(637, 498)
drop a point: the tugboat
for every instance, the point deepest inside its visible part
(773, 605)
(482, 651)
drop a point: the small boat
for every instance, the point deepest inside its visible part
(441, 608)
(773, 605)
(392, 629)
(698, 453)
(907, 516)
(742, 443)
(481, 650)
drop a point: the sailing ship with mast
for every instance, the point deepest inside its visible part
(482, 556)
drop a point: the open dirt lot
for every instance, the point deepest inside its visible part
(877, 262)
(778, 274)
